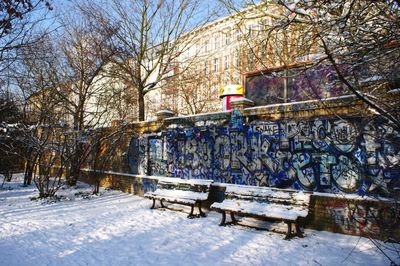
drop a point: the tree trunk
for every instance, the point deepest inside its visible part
(28, 173)
(75, 170)
(141, 105)
(97, 181)
(75, 165)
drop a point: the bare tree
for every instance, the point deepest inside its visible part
(191, 93)
(49, 148)
(265, 40)
(18, 22)
(37, 80)
(356, 37)
(363, 36)
(9, 115)
(150, 39)
(41, 145)
(63, 78)
(254, 41)
(81, 88)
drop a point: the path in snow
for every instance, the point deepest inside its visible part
(119, 229)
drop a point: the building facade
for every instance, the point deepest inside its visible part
(216, 55)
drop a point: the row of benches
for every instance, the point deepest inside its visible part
(271, 204)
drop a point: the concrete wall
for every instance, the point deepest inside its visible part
(325, 153)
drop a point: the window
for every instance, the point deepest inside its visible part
(215, 64)
(206, 47)
(237, 79)
(190, 51)
(238, 35)
(264, 54)
(227, 38)
(250, 58)
(216, 43)
(236, 60)
(265, 24)
(227, 61)
(253, 30)
(205, 68)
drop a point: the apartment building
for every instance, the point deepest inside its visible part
(216, 55)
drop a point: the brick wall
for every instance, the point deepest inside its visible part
(377, 218)
(134, 184)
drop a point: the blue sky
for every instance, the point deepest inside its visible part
(62, 7)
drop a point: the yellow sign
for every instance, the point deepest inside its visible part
(230, 90)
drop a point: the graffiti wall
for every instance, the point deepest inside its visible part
(326, 155)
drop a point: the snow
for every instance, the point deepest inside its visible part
(372, 78)
(271, 210)
(241, 100)
(117, 228)
(394, 90)
(163, 178)
(266, 192)
(199, 116)
(165, 111)
(176, 195)
(175, 180)
(353, 196)
(244, 203)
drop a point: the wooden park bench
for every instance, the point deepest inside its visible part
(266, 203)
(191, 192)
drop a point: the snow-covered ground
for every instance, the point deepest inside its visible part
(116, 228)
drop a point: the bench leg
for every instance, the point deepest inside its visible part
(201, 213)
(234, 221)
(289, 232)
(154, 204)
(223, 219)
(162, 204)
(299, 233)
(191, 216)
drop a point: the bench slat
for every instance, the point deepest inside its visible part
(182, 194)
(268, 195)
(186, 192)
(272, 204)
(174, 200)
(196, 185)
(276, 211)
